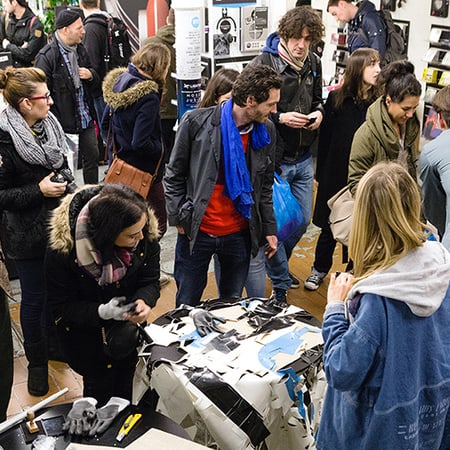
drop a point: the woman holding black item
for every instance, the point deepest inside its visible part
(32, 148)
(345, 111)
(102, 272)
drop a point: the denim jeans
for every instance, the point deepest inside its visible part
(255, 285)
(191, 270)
(300, 177)
(33, 305)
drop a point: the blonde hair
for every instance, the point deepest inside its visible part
(17, 84)
(386, 219)
(153, 58)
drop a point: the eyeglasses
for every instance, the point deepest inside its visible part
(45, 97)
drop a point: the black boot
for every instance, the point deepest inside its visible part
(37, 367)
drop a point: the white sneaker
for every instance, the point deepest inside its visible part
(164, 279)
(313, 282)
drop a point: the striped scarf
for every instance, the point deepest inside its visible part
(89, 258)
(296, 63)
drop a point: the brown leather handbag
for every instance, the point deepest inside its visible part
(122, 172)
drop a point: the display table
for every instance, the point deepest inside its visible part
(15, 438)
(258, 384)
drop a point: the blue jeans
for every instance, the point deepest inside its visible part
(300, 177)
(255, 286)
(191, 270)
(33, 304)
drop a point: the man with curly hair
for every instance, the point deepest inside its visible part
(218, 186)
(299, 114)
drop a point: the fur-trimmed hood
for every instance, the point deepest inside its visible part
(122, 87)
(63, 219)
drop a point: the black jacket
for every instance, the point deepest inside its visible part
(193, 168)
(61, 86)
(94, 41)
(335, 141)
(25, 209)
(74, 296)
(28, 29)
(301, 92)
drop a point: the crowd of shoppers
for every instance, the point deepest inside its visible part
(90, 258)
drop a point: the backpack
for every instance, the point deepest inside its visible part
(395, 39)
(118, 46)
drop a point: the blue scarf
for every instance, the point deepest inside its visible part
(238, 186)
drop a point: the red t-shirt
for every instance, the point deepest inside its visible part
(221, 217)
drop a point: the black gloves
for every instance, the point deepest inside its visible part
(204, 321)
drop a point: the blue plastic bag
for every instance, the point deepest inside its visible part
(288, 213)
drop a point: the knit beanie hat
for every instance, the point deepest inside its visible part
(65, 18)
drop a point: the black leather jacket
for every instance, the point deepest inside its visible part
(192, 172)
(301, 92)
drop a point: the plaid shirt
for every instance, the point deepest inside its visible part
(82, 106)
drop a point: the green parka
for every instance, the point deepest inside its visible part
(377, 140)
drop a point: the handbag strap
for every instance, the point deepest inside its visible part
(110, 138)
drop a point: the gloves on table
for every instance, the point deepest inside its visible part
(107, 414)
(204, 321)
(84, 419)
(80, 417)
(115, 309)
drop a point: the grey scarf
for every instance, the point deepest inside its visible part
(73, 60)
(48, 154)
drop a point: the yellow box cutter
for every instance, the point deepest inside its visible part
(129, 423)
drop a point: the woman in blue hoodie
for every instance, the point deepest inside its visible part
(133, 98)
(386, 333)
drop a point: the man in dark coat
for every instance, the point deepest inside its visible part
(297, 119)
(218, 186)
(365, 25)
(71, 79)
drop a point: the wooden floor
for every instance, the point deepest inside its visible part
(60, 375)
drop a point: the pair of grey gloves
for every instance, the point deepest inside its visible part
(84, 419)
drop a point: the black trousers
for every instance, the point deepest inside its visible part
(6, 356)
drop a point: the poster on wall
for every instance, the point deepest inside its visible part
(439, 8)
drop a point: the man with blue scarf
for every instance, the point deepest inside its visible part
(299, 115)
(218, 186)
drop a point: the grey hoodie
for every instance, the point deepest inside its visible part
(420, 279)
